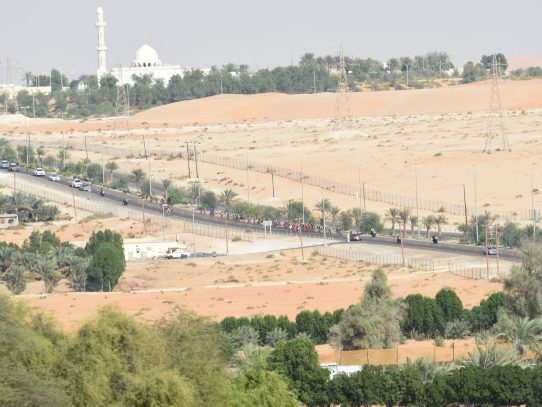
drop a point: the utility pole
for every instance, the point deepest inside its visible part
(272, 171)
(188, 159)
(150, 177)
(475, 208)
(406, 75)
(27, 138)
(417, 205)
(487, 252)
(196, 160)
(248, 184)
(301, 241)
(359, 185)
(324, 218)
(465, 202)
(103, 170)
(497, 246)
(364, 200)
(402, 234)
(314, 80)
(63, 146)
(532, 209)
(193, 231)
(302, 194)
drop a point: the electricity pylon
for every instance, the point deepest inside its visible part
(343, 117)
(495, 124)
(122, 106)
(10, 98)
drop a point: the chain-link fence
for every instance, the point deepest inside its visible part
(477, 272)
(84, 201)
(396, 200)
(375, 258)
(450, 352)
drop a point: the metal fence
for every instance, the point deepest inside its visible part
(479, 272)
(91, 203)
(374, 195)
(375, 258)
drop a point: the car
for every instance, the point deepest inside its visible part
(174, 253)
(5, 164)
(75, 183)
(38, 172)
(53, 177)
(14, 167)
(85, 186)
(490, 251)
(355, 237)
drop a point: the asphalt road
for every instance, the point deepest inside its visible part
(186, 214)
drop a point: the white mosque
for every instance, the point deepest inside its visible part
(146, 61)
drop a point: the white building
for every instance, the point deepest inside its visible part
(146, 61)
(8, 220)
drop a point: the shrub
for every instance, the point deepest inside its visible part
(458, 329)
(107, 264)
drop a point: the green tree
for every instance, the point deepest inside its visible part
(50, 277)
(16, 279)
(450, 304)
(209, 201)
(357, 217)
(439, 221)
(166, 183)
(393, 215)
(374, 322)
(371, 220)
(137, 176)
(428, 222)
(111, 166)
(175, 197)
(297, 360)
(107, 265)
(226, 198)
(345, 219)
(423, 316)
(103, 236)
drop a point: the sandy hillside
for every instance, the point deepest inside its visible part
(276, 106)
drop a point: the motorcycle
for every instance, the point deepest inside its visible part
(125, 202)
(102, 192)
(435, 240)
(373, 233)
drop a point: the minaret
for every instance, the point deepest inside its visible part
(101, 48)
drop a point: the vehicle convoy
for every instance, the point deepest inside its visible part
(75, 183)
(174, 253)
(38, 172)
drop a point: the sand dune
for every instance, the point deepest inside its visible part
(277, 106)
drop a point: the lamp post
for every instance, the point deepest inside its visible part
(193, 231)
(63, 145)
(475, 207)
(27, 137)
(417, 205)
(533, 213)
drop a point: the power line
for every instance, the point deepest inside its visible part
(495, 124)
(343, 117)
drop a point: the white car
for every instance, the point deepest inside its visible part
(85, 186)
(75, 183)
(174, 253)
(5, 164)
(38, 172)
(54, 177)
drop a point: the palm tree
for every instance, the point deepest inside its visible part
(226, 198)
(195, 188)
(404, 215)
(166, 183)
(48, 274)
(77, 273)
(524, 332)
(40, 153)
(493, 356)
(111, 166)
(439, 221)
(15, 280)
(413, 224)
(393, 215)
(138, 175)
(28, 77)
(357, 216)
(428, 222)
(7, 255)
(323, 206)
(333, 211)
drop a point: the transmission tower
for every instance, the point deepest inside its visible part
(495, 125)
(10, 98)
(343, 117)
(122, 105)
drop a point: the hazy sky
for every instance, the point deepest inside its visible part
(44, 34)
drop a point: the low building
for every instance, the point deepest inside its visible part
(135, 249)
(8, 220)
(335, 369)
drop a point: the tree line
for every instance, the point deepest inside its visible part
(98, 266)
(88, 97)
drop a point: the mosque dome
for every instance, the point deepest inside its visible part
(146, 56)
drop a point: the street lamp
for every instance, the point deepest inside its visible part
(27, 136)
